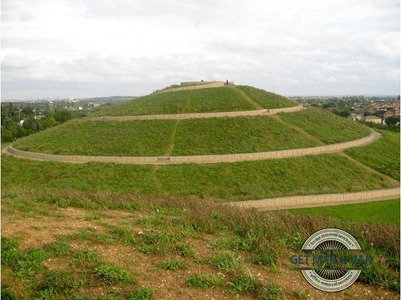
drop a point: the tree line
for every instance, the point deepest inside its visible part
(17, 122)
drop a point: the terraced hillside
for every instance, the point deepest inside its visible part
(246, 143)
(148, 218)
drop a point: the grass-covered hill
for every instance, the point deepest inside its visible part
(221, 99)
(308, 128)
(116, 231)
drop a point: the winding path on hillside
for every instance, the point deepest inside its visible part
(230, 114)
(319, 200)
(198, 159)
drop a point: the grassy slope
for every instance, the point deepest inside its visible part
(326, 126)
(266, 99)
(193, 136)
(236, 181)
(383, 155)
(165, 103)
(218, 99)
(239, 135)
(385, 212)
(178, 102)
(113, 138)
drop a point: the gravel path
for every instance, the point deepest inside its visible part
(230, 114)
(198, 159)
(319, 200)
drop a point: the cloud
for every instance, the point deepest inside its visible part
(289, 47)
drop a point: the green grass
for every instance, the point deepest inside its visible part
(386, 212)
(227, 262)
(329, 173)
(383, 155)
(266, 99)
(151, 138)
(326, 126)
(111, 274)
(179, 102)
(173, 265)
(144, 293)
(204, 281)
(236, 135)
(80, 267)
(218, 100)
(153, 104)
(243, 285)
(201, 136)
(110, 138)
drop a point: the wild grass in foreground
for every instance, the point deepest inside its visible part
(385, 212)
(202, 245)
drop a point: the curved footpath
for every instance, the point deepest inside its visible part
(319, 200)
(230, 114)
(198, 159)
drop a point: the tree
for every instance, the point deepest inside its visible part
(62, 115)
(393, 120)
(47, 122)
(7, 136)
(31, 125)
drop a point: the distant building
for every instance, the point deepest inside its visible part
(373, 119)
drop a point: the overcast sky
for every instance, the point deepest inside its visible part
(76, 48)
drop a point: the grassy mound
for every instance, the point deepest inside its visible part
(180, 102)
(193, 136)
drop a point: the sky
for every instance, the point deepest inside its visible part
(76, 48)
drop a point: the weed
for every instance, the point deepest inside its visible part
(59, 247)
(56, 282)
(204, 281)
(173, 265)
(221, 244)
(24, 264)
(104, 238)
(155, 243)
(93, 216)
(113, 274)
(301, 294)
(6, 294)
(85, 234)
(123, 235)
(84, 257)
(144, 293)
(227, 262)
(271, 292)
(185, 250)
(152, 222)
(243, 284)
(265, 258)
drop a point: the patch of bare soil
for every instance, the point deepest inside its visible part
(38, 231)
